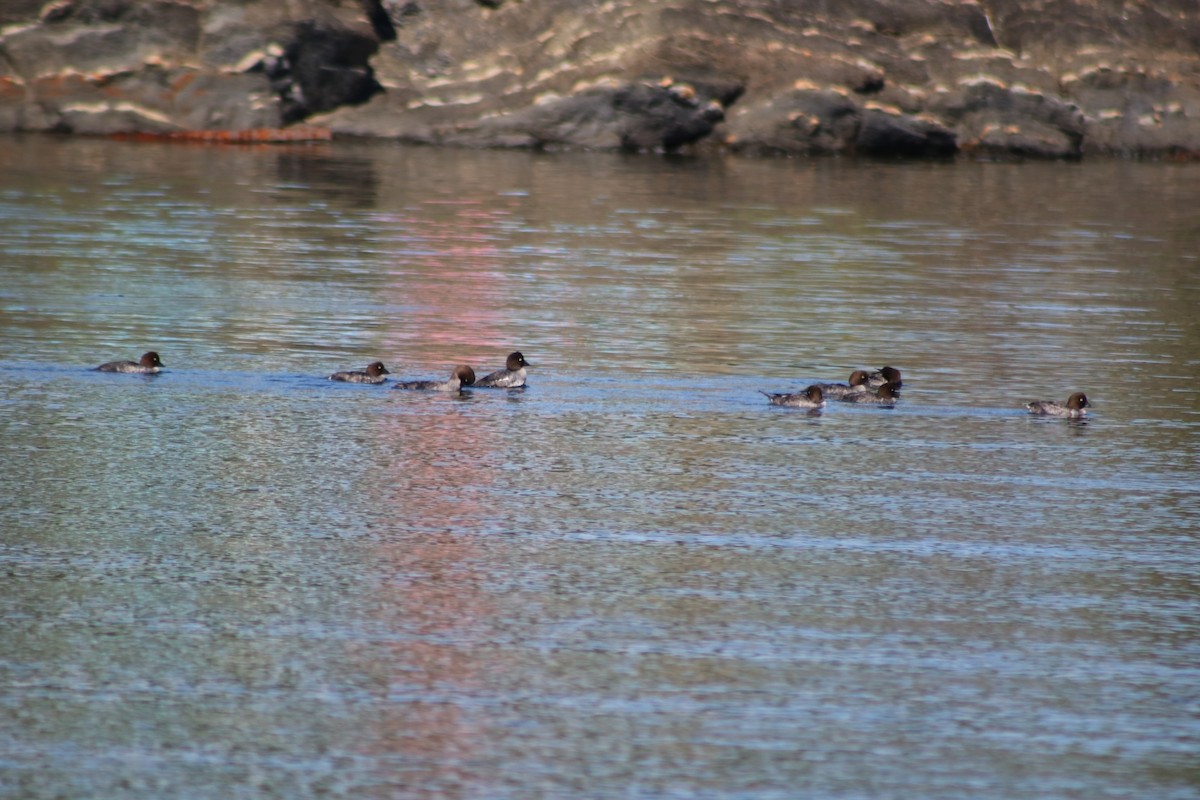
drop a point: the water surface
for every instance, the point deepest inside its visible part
(633, 578)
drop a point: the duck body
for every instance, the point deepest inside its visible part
(148, 364)
(374, 373)
(857, 383)
(462, 377)
(887, 395)
(812, 397)
(511, 377)
(1075, 407)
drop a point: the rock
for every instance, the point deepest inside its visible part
(883, 133)
(824, 121)
(633, 116)
(322, 67)
(103, 37)
(992, 119)
(906, 78)
(1134, 110)
(21, 12)
(802, 121)
(121, 66)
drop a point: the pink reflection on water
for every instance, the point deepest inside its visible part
(448, 273)
(448, 277)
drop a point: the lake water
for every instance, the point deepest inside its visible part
(635, 578)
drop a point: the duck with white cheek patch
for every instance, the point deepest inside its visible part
(511, 377)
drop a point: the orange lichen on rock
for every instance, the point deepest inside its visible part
(304, 133)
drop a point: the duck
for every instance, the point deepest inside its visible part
(857, 383)
(885, 375)
(1074, 408)
(462, 377)
(886, 395)
(372, 374)
(148, 364)
(812, 397)
(511, 377)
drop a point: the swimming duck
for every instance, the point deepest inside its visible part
(511, 377)
(887, 395)
(1074, 408)
(857, 383)
(372, 374)
(462, 377)
(148, 364)
(812, 397)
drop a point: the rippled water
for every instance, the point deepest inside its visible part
(634, 578)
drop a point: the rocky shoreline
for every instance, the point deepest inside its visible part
(1061, 79)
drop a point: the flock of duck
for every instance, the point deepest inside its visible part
(512, 376)
(881, 388)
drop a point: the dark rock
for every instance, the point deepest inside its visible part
(659, 117)
(870, 84)
(636, 116)
(992, 119)
(798, 122)
(323, 68)
(380, 19)
(897, 135)
(822, 121)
